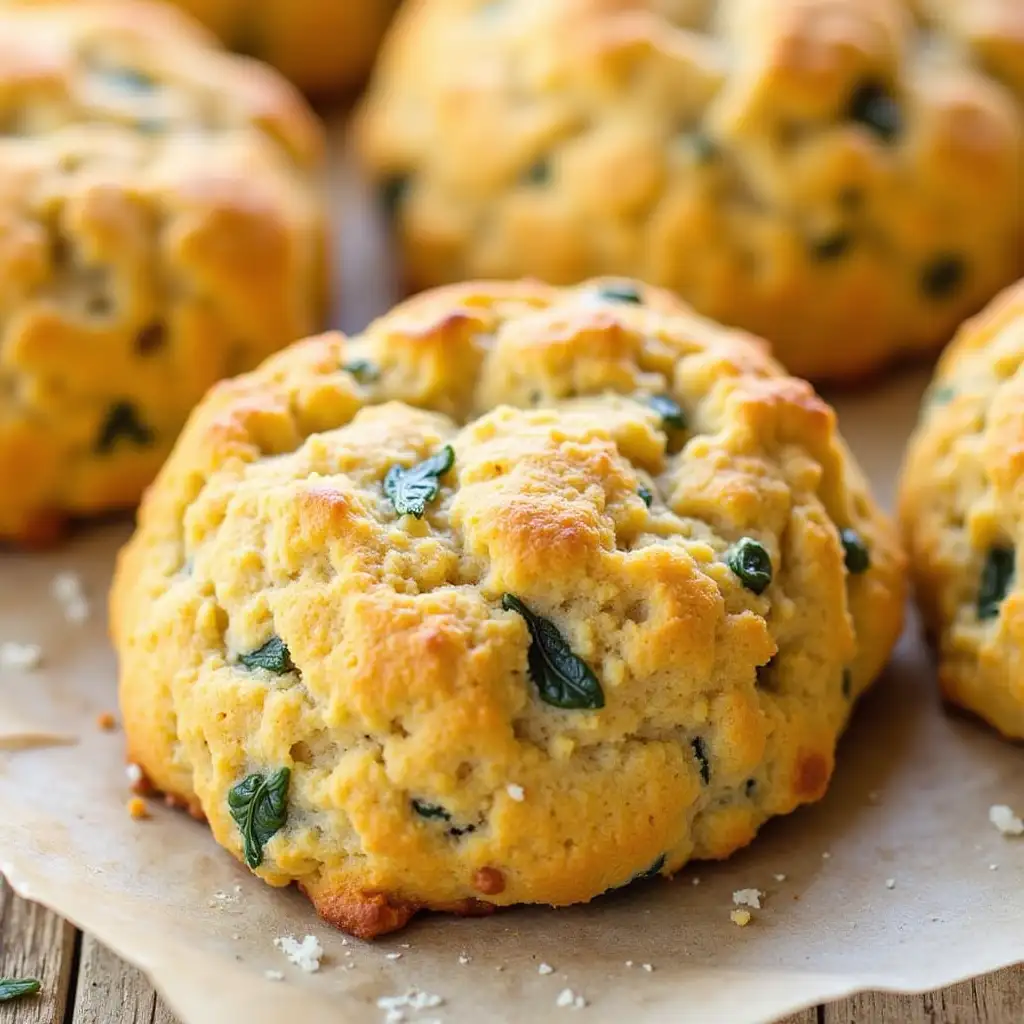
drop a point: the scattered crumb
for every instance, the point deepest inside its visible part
(567, 998)
(1005, 820)
(67, 589)
(740, 917)
(273, 975)
(890, 883)
(236, 936)
(695, 880)
(516, 792)
(648, 967)
(393, 956)
(26, 657)
(993, 867)
(134, 774)
(306, 955)
(545, 969)
(826, 855)
(138, 808)
(463, 959)
(412, 1000)
(500, 967)
(106, 721)
(779, 878)
(747, 898)
(629, 963)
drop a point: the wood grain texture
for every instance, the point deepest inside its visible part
(109, 991)
(994, 999)
(35, 944)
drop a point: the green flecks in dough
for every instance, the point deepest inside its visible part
(435, 812)
(646, 496)
(393, 192)
(750, 561)
(538, 173)
(700, 752)
(855, 552)
(364, 370)
(670, 411)
(272, 657)
(997, 576)
(942, 276)
(122, 425)
(874, 106)
(623, 292)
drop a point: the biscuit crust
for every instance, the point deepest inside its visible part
(841, 177)
(960, 509)
(610, 449)
(160, 230)
(323, 46)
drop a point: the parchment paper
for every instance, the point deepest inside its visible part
(908, 806)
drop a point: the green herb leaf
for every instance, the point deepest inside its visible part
(996, 579)
(858, 559)
(750, 561)
(122, 423)
(129, 79)
(654, 869)
(645, 496)
(259, 807)
(393, 192)
(670, 411)
(411, 490)
(538, 173)
(364, 370)
(15, 988)
(273, 656)
(700, 751)
(941, 395)
(425, 810)
(621, 291)
(562, 679)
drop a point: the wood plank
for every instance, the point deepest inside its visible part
(35, 944)
(112, 992)
(994, 999)
(807, 1017)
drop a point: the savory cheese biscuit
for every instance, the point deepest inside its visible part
(321, 45)
(841, 177)
(962, 513)
(520, 595)
(159, 229)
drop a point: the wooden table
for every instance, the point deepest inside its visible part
(83, 983)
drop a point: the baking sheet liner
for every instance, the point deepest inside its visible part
(895, 881)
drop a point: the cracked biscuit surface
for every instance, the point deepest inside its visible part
(159, 229)
(961, 513)
(841, 177)
(521, 594)
(321, 45)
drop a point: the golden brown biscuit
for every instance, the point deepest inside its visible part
(841, 177)
(519, 595)
(321, 45)
(159, 229)
(961, 508)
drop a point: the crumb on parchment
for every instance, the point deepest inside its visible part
(106, 721)
(306, 954)
(740, 917)
(24, 657)
(748, 898)
(67, 589)
(138, 808)
(1003, 818)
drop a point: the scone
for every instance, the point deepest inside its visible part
(963, 517)
(321, 45)
(520, 595)
(159, 229)
(842, 177)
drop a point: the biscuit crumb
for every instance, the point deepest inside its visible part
(25, 657)
(648, 967)
(747, 898)
(826, 855)
(393, 956)
(273, 975)
(394, 1006)
(463, 959)
(138, 808)
(890, 883)
(106, 721)
(517, 793)
(1005, 820)
(567, 998)
(67, 589)
(629, 963)
(740, 917)
(695, 880)
(545, 969)
(306, 955)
